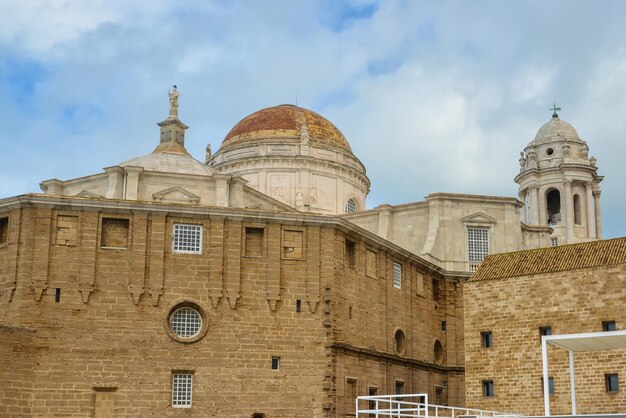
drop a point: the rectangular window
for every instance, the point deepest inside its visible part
(554, 242)
(488, 388)
(275, 363)
(181, 390)
(67, 227)
(612, 382)
(4, 230)
(609, 326)
(477, 246)
(547, 330)
(254, 242)
(399, 387)
(187, 239)
(397, 275)
(349, 397)
(372, 391)
(487, 339)
(443, 326)
(350, 252)
(114, 233)
(550, 385)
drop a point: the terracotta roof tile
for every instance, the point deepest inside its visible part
(286, 121)
(552, 259)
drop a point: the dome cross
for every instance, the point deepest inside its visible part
(554, 108)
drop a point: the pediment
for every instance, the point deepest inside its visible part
(177, 195)
(87, 193)
(479, 218)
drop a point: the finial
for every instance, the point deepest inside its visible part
(173, 101)
(554, 108)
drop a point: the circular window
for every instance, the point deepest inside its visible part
(186, 322)
(549, 151)
(400, 342)
(438, 352)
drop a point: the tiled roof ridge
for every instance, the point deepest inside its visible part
(552, 259)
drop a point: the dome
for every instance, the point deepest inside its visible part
(556, 129)
(287, 122)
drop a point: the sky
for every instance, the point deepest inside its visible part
(433, 96)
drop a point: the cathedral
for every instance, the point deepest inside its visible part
(256, 283)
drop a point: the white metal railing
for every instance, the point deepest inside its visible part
(412, 406)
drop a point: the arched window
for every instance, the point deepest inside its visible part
(577, 216)
(553, 203)
(351, 206)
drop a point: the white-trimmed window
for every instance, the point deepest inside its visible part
(554, 241)
(351, 206)
(477, 246)
(182, 387)
(186, 322)
(187, 239)
(397, 275)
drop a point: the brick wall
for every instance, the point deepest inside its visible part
(514, 309)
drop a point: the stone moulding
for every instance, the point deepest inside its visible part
(176, 194)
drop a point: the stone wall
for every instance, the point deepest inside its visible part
(98, 286)
(514, 309)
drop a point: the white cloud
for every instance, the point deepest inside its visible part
(433, 96)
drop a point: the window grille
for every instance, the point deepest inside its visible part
(182, 384)
(477, 246)
(554, 242)
(397, 275)
(351, 206)
(186, 322)
(187, 239)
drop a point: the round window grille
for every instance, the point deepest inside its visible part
(186, 322)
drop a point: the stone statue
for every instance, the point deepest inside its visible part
(207, 155)
(173, 101)
(312, 195)
(522, 159)
(299, 199)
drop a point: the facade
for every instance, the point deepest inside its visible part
(514, 298)
(254, 284)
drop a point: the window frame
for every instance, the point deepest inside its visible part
(486, 339)
(275, 360)
(477, 250)
(200, 228)
(176, 402)
(608, 381)
(351, 203)
(606, 325)
(488, 389)
(397, 275)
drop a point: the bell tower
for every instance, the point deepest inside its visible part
(559, 184)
